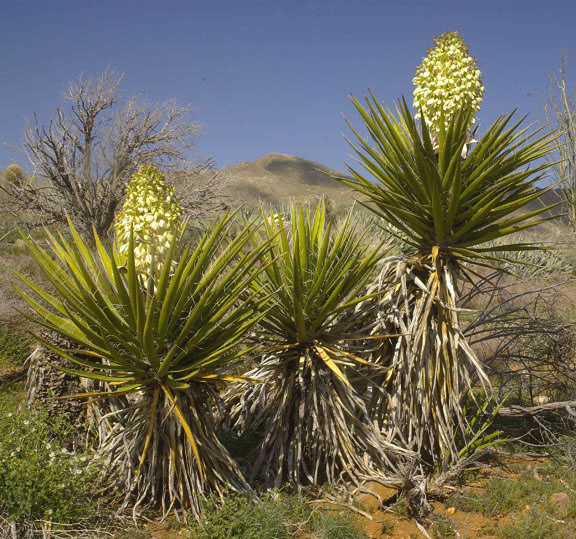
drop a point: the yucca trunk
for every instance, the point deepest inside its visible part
(315, 427)
(429, 362)
(46, 384)
(153, 458)
(444, 202)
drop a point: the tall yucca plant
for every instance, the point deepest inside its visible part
(445, 203)
(314, 425)
(157, 350)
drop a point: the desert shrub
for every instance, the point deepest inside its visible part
(39, 477)
(502, 496)
(536, 358)
(532, 526)
(567, 450)
(13, 173)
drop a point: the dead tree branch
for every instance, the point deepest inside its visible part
(84, 156)
(531, 411)
(560, 112)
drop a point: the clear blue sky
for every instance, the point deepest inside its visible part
(272, 75)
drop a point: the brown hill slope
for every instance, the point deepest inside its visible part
(278, 179)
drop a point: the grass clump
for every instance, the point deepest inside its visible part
(40, 479)
(276, 515)
(535, 525)
(13, 349)
(500, 496)
(533, 487)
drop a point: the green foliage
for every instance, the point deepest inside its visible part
(275, 515)
(502, 495)
(387, 528)
(239, 443)
(39, 477)
(163, 337)
(445, 202)
(313, 423)
(444, 528)
(534, 525)
(315, 274)
(433, 196)
(336, 525)
(478, 433)
(541, 260)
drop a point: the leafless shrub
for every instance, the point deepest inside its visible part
(531, 341)
(560, 114)
(526, 336)
(85, 155)
(200, 191)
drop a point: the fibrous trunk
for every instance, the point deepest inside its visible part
(155, 462)
(417, 402)
(315, 428)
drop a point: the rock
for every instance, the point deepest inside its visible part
(20, 244)
(372, 494)
(541, 399)
(560, 501)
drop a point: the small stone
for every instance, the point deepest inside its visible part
(20, 244)
(560, 501)
(370, 502)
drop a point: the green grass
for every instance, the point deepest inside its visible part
(443, 528)
(532, 489)
(276, 515)
(387, 529)
(536, 525)
(14, 349)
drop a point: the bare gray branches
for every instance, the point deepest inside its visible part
(89, 149)
(561, 117)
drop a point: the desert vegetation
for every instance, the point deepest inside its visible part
(292, 371)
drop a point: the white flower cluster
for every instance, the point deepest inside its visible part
(152, 213)
(446, 81)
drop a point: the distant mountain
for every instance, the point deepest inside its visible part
(278, 179)
(548, 198)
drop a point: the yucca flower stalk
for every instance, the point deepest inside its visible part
(158, 356)
(446, 82)
(151, 214)
(314, 425)
(445, 209)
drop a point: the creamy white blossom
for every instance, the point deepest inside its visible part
(152, 213)
(447, 81)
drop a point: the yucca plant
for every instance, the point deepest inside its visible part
(446, 203)
(158, 347)
(314, 425)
